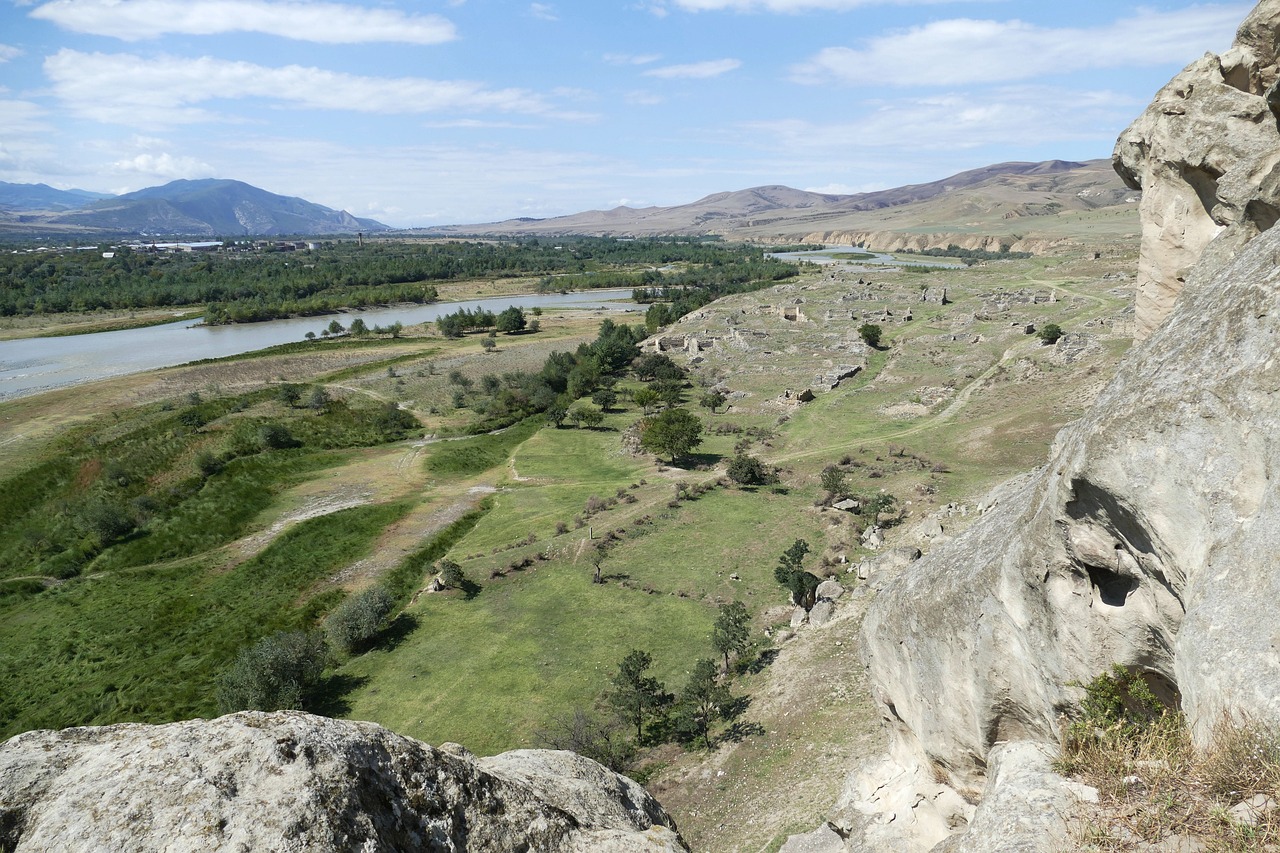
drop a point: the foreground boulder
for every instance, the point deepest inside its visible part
(1203, 154)
(289, 781)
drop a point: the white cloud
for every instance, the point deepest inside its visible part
(962, 51)
(631, 59)
(163, 166)
(695, 70)
(1022, 117)
(329, 23)
(25, 152)
(8, 51)
(127, 89)
(783, 6)
(644, 99)
(543, 11)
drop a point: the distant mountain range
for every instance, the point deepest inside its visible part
(1037, 203)
(205, 208)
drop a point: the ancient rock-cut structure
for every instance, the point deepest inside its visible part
(1206, 155)
(1146, 541)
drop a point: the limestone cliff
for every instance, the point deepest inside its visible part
(1206, 154)
(1146, 540)
(288, 781)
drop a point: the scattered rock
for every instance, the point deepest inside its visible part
(1252, 810)
(830, 589)
(823, 610)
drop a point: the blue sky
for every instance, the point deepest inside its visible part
(420, 112)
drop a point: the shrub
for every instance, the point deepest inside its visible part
(746, 470)
(275, 437)
(357, 620)
(279, 671)
(1049, 333)
(870, 334)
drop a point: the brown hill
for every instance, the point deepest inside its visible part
(1034, 203)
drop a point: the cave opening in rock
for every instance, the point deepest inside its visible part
(1113, 588)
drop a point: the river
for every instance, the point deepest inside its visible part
(32, 365)
(832, 255)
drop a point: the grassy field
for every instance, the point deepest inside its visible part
(958, 397)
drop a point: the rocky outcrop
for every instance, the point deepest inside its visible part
(901, 241)
(1146, 541)
(289, 781)
(1205, 154)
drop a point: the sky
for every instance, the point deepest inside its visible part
(431, 112)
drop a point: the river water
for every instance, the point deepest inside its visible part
(833, 255)
(32, 365)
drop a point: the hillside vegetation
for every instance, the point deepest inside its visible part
(157, 526)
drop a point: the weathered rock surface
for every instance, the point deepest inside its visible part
(1145, 542)
(289, 781)
(1205, 154)
(1148, 538)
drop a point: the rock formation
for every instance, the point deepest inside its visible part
(288, 781)
(1148, 538)
(1205, 154)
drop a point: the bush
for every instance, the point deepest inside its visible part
(279, 671)
(870, 334)
(1049, 333)
(747, 470)
(275, 437)
(357, 620)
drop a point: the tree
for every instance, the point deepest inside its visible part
(732, 630)
(587, 416)
(335, 328)
(702, 700)
(1049, 333)
(877, 504)
(870, 334)
(646, 398)
(746, 470)
(275, 437)
(510, 321)
(675, 432)
(319, 398)
(557, 412)
(279, 671)
(358, 328)
(802, 585)
(356, 621)
(451, 574)
(604, 398)
(289, 394)
(634, 692)
(833, 480)
(488, 343)
(600, 737)
(311, 336)
(712, 400)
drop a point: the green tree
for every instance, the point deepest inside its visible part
(731, 631)
(746, 470)
(357, 620)
(870, 334)
(335, 328)
(275, 437)
(451, 574)
(646, 398)
(635, 693)
(510, 321)
(587, 416)
(279, 671)
(1049, 333)
(604, 398)
(702, 701)
(712, 400)
(790, 573)
(319, 398)
(488, 343)
(358, 328)
(289, 394)
(833, 480)
(557, 412)
(675, 432)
